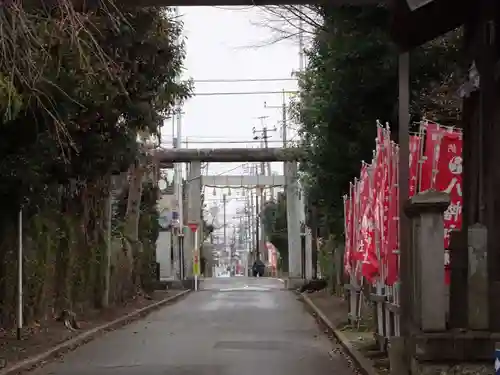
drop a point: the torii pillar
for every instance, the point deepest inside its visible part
(193, 216)
(293, 215)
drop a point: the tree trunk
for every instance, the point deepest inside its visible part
(132, 219)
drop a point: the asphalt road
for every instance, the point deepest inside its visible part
(233, 326)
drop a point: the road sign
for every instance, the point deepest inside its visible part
(196, 265)
(193, 226)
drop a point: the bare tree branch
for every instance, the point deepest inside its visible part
(275, 39)
(288, 22)
(303, 18)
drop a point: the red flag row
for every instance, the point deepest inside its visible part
(371, 208)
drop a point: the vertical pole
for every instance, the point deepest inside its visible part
(178, 193)
(405, 272)
(283, 120)
(257, 226)
(107, 275)
(262, 193)
(284, 137)
(314, 245)
(179, 172)
(251, 221)
(303, 254)
(224, 200)
(180, 240)
(20, 275)
(301, 41)
(263, 164)
(269, 172)
(197, 255)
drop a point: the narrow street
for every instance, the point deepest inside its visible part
(233, 326)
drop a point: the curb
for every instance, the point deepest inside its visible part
(84, 337)
(363, 363)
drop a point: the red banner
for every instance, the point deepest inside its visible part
(393, 235)
(431, 156)
(414, 163)
(372, 207)
(449, 179)
(367, 251)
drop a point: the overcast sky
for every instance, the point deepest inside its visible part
(221, 44)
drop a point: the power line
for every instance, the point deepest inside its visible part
(243, 80)
(232, 9)
(244, 93)
(225, 142)
(213, 137)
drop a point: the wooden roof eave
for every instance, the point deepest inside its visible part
(410, 29)
(244, 2)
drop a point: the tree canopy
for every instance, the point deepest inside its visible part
(77, 88)
(349, 83)
(80, 120)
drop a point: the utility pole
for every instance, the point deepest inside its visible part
(263, 134)
(179, 195)
(257, 224)
(284, 109)
(224, 203)
(250, 218)
(178, 248)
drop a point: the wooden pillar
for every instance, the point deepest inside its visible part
(481, 176)
(477, 279)
(470, 185)
(487, 56)
(406, 278)
(404, 139)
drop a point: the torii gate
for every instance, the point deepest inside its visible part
(195, 182)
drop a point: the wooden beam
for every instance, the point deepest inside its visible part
(145, 3)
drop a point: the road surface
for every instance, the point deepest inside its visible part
(233, 326)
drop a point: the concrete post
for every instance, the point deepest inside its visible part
(429, 298)
(176, 265)
(477, 283)
(293, 220)
(354, 291)
(163, 257)
(396, 351)
(193, 215)
(337, 269)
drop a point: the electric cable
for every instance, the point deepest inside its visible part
(223, 93)
(238, 80)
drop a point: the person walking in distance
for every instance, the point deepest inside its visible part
(258, 268)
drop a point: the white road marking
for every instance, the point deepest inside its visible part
(246, 287)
